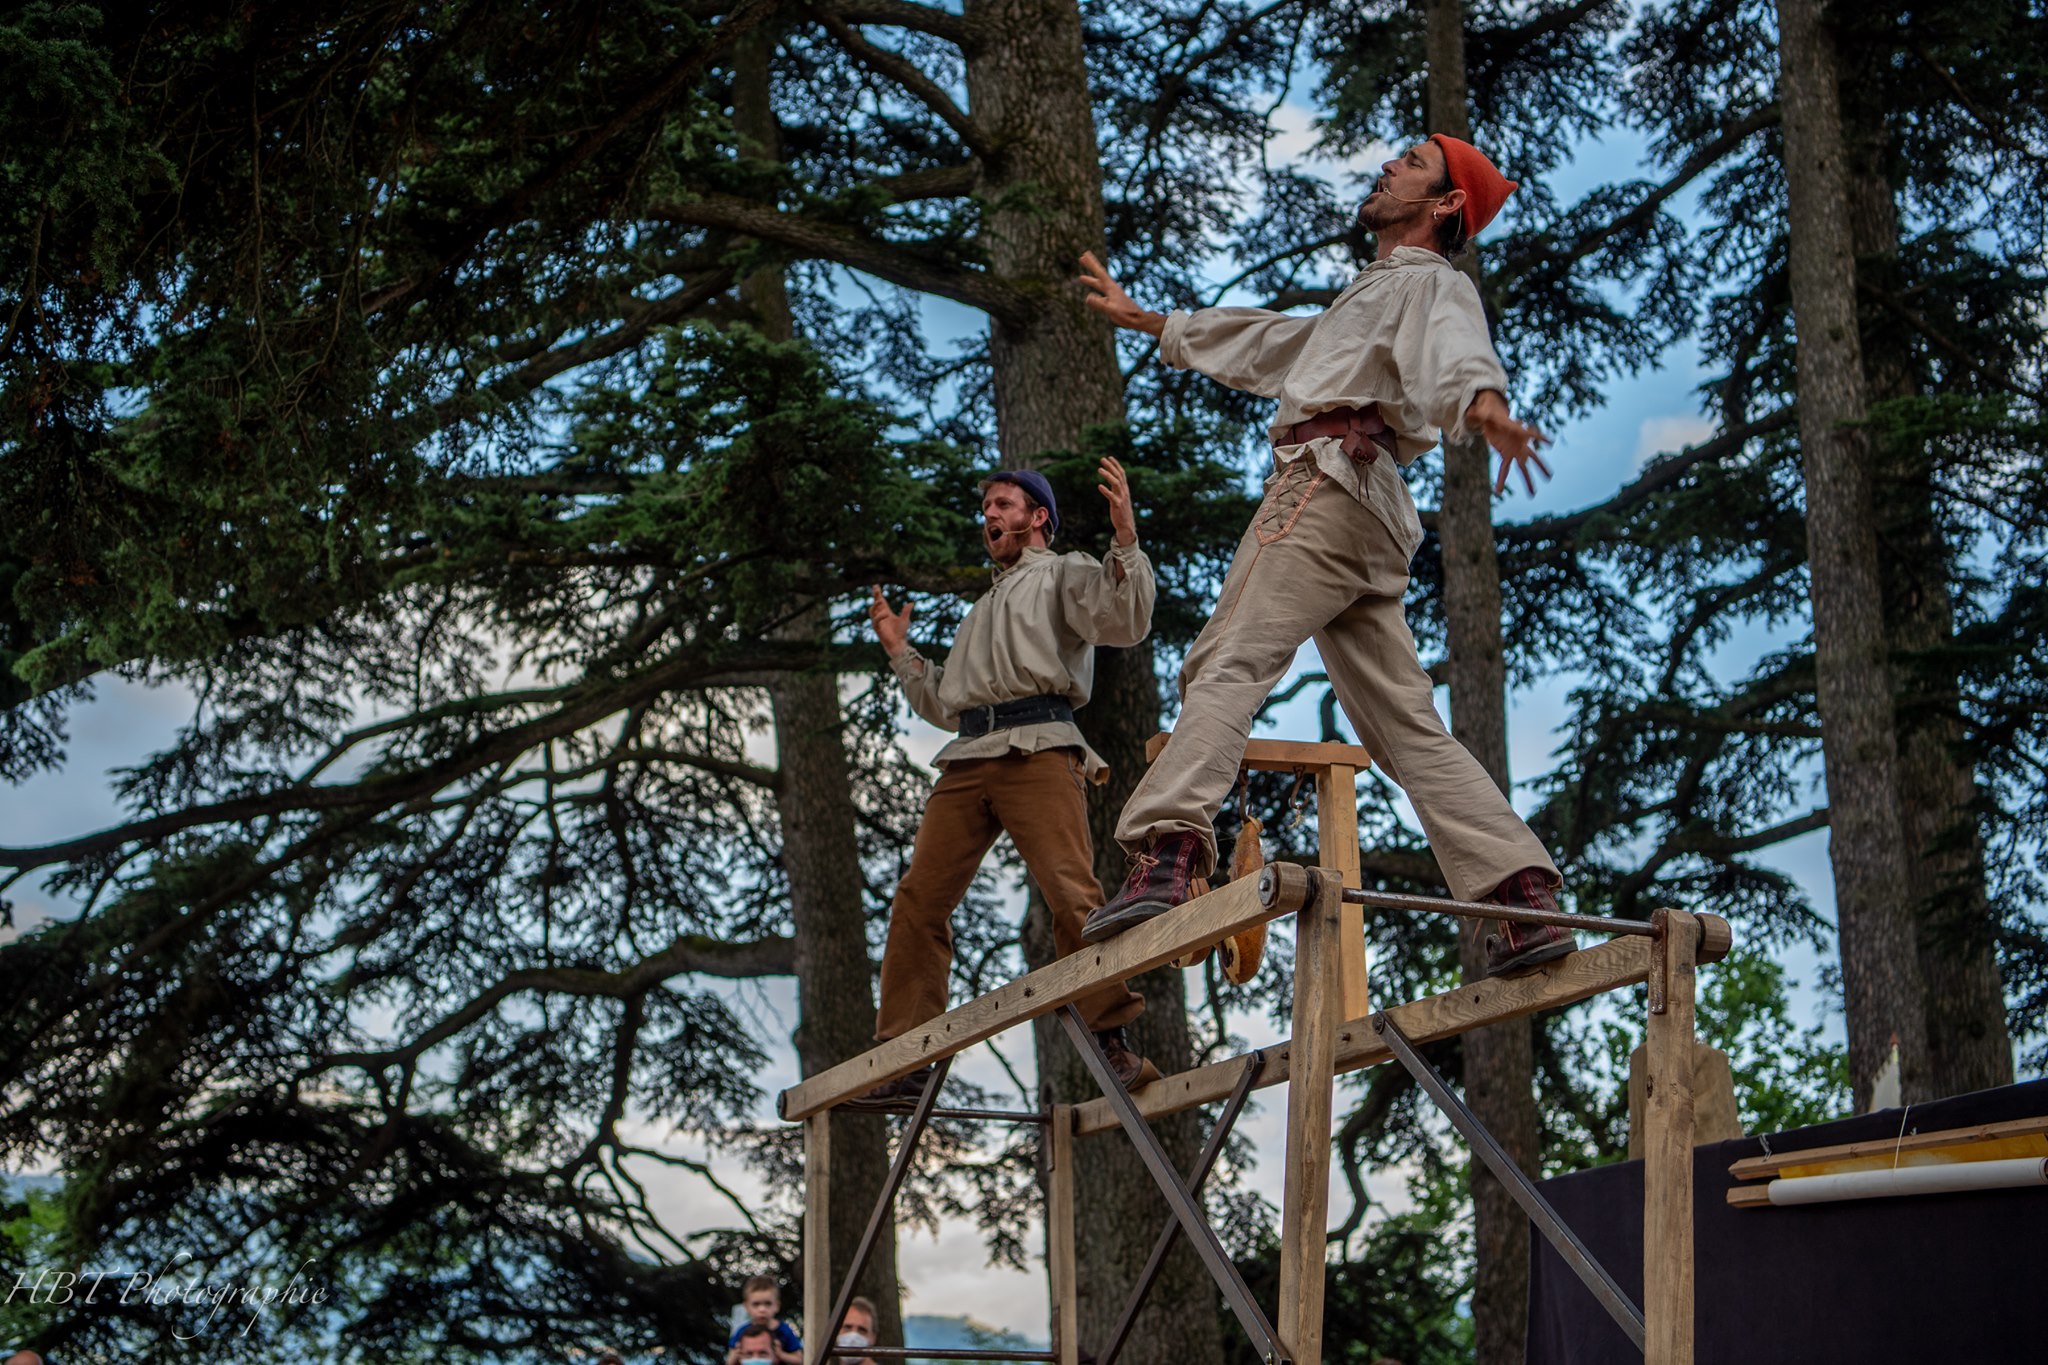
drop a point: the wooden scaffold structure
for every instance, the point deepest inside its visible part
(1335, 1030)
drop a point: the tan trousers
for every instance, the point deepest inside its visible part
(1041, 801)
(1315, 562)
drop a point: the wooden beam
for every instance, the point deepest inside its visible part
(1755, 1167)
(1667, 1149)
(1207, 919)
(1061, 1274)
(1749, 1196)
(1337, 851)
(819, 1287)
(1305, 1204)
(1282, 755)
(1586, 973)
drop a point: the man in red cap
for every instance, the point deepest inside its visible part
(1022, 661)
(1364, 388)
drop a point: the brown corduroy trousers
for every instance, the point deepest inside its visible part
(1041, 801)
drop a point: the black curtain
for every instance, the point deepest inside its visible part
(1942, 1279)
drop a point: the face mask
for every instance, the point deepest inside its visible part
(854, 1340)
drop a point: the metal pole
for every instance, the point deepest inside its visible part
(1444, 905)
(1192, 1220)
(1612, 1296)
(1253, 1065)
(885, 1204)
(994, 1115)
(936, 1353)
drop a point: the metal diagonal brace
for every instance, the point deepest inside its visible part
(1253, 1065)
(1612, 1296)
(885, 1205)
(1189, 1213)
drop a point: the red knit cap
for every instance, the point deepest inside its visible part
(1486, 189)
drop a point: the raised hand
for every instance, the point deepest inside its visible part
(1116, 486)
(1108, 298)
(892, 627)
(1516, 441)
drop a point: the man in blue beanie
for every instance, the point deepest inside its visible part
(1023, 660)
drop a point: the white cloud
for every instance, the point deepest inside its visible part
(1657, 435)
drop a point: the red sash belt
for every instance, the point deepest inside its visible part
(1361, 430)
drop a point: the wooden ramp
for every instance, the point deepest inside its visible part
(1334, 1030)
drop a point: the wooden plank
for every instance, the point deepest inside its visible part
(1667, 1152)
(819, 1286)
(1337, 850)
(1750, 1196)
(1586, 973)
(1204, 920)
(1754, 1167)
(1305, 1204)
(1281, 755)
(1061, 1276)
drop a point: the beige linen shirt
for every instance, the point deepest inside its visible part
(1031, 635)
(1408, 333)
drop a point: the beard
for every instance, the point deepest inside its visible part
(1381, 211)
(1005, 549)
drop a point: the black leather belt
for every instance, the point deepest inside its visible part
(979, 720)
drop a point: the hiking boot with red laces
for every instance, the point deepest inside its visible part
(1131, 1070)
(899, 1096)
(1159, 881)
(1513, 949)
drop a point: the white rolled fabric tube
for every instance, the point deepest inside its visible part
(1942, 1179)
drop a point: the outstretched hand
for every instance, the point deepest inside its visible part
(1116, 486)
(1516, 441)
(1108, 298)
(892, 627)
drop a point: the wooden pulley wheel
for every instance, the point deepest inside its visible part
(1241, 953)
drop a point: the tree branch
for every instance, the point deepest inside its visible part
(933, 182)
(898, 68)
(638, 318)
(696, 954)
(584, 705)
(954, 28)
(1650, 482)
(890, 261)
(1553, 263)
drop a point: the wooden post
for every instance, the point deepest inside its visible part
(1059, 1235)
(1337, 840)
(1667, 1146)
(1305, 1212)
(818, 1286)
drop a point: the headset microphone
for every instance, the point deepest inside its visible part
(1402, 199)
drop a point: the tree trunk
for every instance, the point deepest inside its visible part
(1880, 970)
(1028, 85)
(1053, 378)
(1969, 1047)
(820, 849)
(1499, 1061)
(835, 976)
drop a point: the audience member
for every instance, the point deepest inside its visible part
(857, 1330)
(754, 1342)
(763, 1300)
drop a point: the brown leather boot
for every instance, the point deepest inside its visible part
(1514, 949)
(1131, 1069)
(899, 1096)
(1159, 879)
